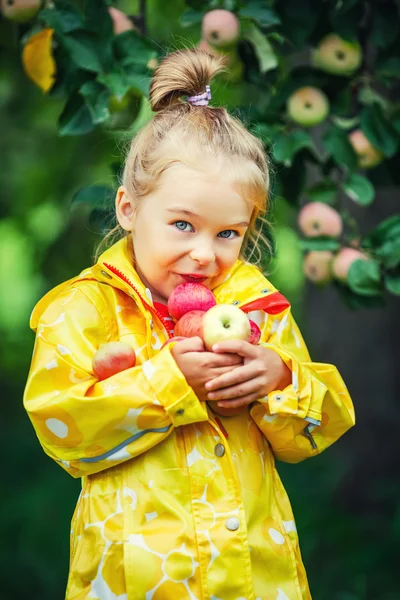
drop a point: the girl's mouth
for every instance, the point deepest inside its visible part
(193, 278)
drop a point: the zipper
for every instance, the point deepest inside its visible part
(150, 308)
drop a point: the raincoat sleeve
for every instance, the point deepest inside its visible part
(88, 425)
(312, 412)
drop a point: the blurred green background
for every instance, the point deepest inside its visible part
(346, 501)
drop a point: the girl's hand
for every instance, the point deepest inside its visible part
(200, 366)
(263, 371)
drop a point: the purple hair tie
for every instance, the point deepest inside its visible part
(200, 99)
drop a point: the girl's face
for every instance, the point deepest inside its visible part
(191, 228)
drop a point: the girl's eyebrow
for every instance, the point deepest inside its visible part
(189, 213)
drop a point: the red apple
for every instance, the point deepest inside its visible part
(121, 21)
(188, 297)
(176, 338)
(317, 218)
(308, 106)
(111, 358)
(255, 333)
(343, 261)
(224, 322)
(317, 266)
(190, 324)
(220, 28)
(368, 156)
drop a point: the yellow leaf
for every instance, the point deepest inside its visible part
(38, 60)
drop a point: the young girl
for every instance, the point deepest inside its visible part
(179, 502)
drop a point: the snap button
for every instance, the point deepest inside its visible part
(105, 274)
(232, 523)
(180, 411)
(219, 450)
(278, 397)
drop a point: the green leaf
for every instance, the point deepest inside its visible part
(133, 49)
(97, 98)
(75, 118)
(379, 131)
(290, 182)
(345, 18)
(191, 17)
(344, 123)
(83, 51)
(97, 18)
(384, 24)
(337, 144)
(97, 196)
(121, 81)
(387, 230)
(266, 132)
(287, 145)
(63, 17)
(319, 243)
(355, 301)
(263, 15)
(367, 96)
(325, 191)
(299, 20)
(392, 283)
(364, 278)
(389, 253)
(262, 47)
(359, 189)
(388, 68)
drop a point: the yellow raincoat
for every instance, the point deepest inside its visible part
(176, 504)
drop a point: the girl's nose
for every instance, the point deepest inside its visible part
(203, 253)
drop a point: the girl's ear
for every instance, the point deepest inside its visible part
(125, 208)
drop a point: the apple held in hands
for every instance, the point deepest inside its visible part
(255, 333)
(190, 324)
(111, 358)
(225, 322)
(176, 338)
(189, 297)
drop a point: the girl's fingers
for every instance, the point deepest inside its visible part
(236, 391)
(233, 377)
(240, 347)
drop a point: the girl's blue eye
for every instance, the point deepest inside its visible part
(228, 234)
(182, 225)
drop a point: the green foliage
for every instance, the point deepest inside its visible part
(104, 77)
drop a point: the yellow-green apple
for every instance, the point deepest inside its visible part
(317, 266)
(220, 28)
(20, 10)
(176, 338)
(343, 261)
(368, 156)
(121, 21)
(111, 358)
(318, 218)
(190, 324)
(224, 322)
(337, 56)
(255, 333)
(188, 297)
(308, 106)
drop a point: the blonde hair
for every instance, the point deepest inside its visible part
(182, 133)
